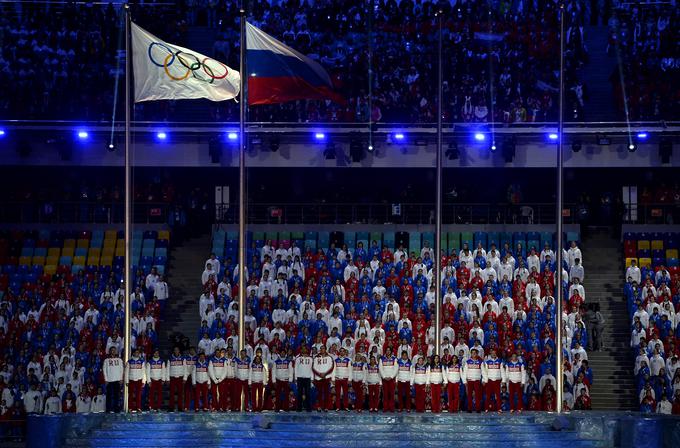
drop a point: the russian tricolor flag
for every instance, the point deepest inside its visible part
(277, 73)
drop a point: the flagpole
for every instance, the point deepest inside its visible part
(241, 190)
(128, 196)
(558, 317)
(438, 211)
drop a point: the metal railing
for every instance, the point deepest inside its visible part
(404, 213)
(66, 212)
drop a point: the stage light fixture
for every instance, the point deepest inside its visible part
(161, 136)
(509, 148)
(642, 135)
(493, 146)
(329, 151)
(320, 136)
(665, 150)
(632, 147)
(553, 137)
(603, 140)
(232, 136)
(452, 152)
(356, 150)
(398, 137)
(83, 135)
(480, 137)
(2, 133)
(215, 150)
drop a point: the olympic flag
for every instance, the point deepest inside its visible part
(164, 71)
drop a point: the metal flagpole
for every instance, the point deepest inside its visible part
(438, 211)
(558, 316)
(241, 191)
(128, 201)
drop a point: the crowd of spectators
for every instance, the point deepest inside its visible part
(653, 298)
(57, 329)
(644, 37)
(364, 308)
(500, 59)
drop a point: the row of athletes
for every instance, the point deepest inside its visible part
(229, 382)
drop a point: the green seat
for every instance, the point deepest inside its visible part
(454, 242)
(414, 244)
(466, 237)
(297, 236)
(284, 236)
(258, 236)
(377, 236)
(274, 236)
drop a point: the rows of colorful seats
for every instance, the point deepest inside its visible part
(652, 249)
(225, 243)
(27, 256)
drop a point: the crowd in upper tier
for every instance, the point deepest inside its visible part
(499, 58)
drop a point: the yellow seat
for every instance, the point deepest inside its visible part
(25, 261)
(52, 260)
(50, 269)
(106, 261)
(79, 260)
(93, 261)
(94, 252)
(69, 243)
(657, 244)
(671, 253)
(120, 252)
(628, 261)
(54, 252)
(68, 252)
(39, 261)
(110, 234)
(164, 235)
(83, 242)
(645, 262)
(108, 251)
(110, 243)
(643, 245)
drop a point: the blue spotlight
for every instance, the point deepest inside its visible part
(232, 136)
(399, 137)
(161, 136)
(642, 136)
(83, 135)
(480, 137)
(2, 132)
(552, 136)
(320, 136)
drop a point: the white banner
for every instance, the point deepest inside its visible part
(165, 71)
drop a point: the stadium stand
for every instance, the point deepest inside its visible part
(652, 292)
(61, 311)
(361, 301)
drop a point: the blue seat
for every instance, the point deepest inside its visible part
(323, 240)
(231, 244)
(98, 234)
(518, 237)
(672, 262)
(573, 236)
(161, 252)
(146, 260)
(506, 238)
(147, 252)
(97, 243)
(161, 269)
(311, 236)
(81, 252)
(37, 269)
(150, 234)
(29, 243)
(76, 268)
(658, 253)
(219, 233)
(350, 240)
(160, 261)
(162, 243)
(65, 261)
(388, 239)
(310, 244)
(546, 237)
(27, 252)
(44, 234)
(493, 238)
(644, 253)
(656, 262)
(148, 243)
(119, 261)
(40, 252)
(414, 242)
(9, 269)
(428, 237)
(232, 235)
(479, 237)
(630, 236)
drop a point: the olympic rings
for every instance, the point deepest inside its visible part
(190, 62)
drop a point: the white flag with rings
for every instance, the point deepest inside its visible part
(164, 71)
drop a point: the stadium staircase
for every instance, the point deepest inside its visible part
(595, 75)
(186, 265)
(330, 430)
(614, 387)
